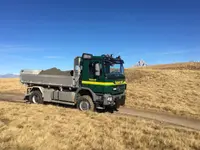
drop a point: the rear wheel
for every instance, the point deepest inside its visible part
(36, 97)
(85, 103)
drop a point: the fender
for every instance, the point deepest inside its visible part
(41, 89)
(87, 89)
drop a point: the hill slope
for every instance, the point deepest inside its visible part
(173, 90)
(28, 127)
(11, 85)
(177, 66)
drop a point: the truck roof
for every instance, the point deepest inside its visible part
(103, 57)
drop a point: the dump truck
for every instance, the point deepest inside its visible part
(94, 82)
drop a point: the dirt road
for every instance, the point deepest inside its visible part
(11, 97)
(162, 117)
(158, 116)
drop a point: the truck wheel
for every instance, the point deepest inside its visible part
(117, 105)
(36, 97)
(85, 103)
(123, 101)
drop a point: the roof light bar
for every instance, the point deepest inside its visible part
(87, 56)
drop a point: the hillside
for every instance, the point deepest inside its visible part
(11, 85)
(173, 88)
(28, 127)
(175, 91)
(170, 90)
(177, 66)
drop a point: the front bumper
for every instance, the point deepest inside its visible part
(114, 100)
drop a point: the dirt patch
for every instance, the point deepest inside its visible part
(162, 117)
(5, 121)
(56, 71)
(11, 97)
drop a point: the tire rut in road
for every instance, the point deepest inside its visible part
(163, 117)
(12, 98)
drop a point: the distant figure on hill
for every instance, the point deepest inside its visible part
(141, 63)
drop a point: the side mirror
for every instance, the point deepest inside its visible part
(97, 69)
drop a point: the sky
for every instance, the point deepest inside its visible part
(41, 34)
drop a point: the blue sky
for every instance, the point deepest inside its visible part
(40, 34)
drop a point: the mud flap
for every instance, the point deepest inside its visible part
(26, 97)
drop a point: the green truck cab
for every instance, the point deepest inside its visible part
(104, 75)
(95, 82)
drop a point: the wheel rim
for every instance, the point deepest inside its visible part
(84, 105)
(35, 99)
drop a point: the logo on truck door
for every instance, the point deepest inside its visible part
(92, 79)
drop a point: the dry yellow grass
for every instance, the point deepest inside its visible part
(175, 91)
(11, 86)
(29, 127)
(177, 66)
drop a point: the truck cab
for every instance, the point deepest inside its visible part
(104, 75)
(95, 82)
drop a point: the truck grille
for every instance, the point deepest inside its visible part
(120, 88)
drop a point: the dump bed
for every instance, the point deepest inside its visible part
(38, 77)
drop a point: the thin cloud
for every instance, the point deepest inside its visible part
(171, 52)
(17, 57)
(11, 46)
(29, 59)
(18, 48)
(175, 52)
(53, 57)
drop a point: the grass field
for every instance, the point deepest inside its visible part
(177, 66)
(11, 86)
(161, 88)
(173, 88)
(174, 91)
(29, 127)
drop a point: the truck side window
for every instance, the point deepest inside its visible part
(101, 68)
(92, 68)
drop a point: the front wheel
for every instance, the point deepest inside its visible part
(36, 97)
(85, 103)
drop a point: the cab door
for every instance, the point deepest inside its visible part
(95, 82)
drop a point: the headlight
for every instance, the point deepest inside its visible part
(110, 98)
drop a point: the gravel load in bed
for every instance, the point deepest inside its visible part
(55, 71)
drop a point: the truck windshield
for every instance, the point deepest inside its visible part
(111, 69)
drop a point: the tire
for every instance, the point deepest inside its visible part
(36, 97)
(117, 105)
(85, 103)
(123, 101)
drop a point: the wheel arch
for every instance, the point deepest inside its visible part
(85, 91)
(37, 88)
